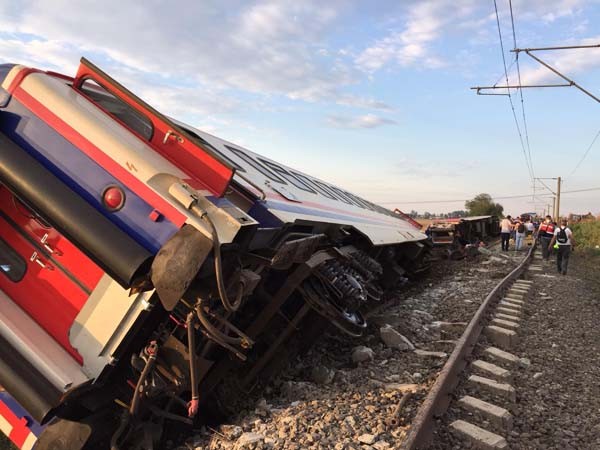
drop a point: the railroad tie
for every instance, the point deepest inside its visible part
(501, 356)
(478, 437)
(484, 384)
(500, 417)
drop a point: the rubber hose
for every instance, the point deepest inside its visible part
(219, 271)
(214, 331)
(191, 333)
(135, 402)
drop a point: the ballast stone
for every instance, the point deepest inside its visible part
(393, 339)
(478, 437)
(362, 354)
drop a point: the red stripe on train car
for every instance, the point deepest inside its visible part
(19, 77)
(20, 432)
(101, 158)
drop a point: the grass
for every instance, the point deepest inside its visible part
(587, 235)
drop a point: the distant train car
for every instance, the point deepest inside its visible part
(145, 263)
(471, 229)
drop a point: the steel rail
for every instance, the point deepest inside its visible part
(438, 399)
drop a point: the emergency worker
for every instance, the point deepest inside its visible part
(546, 233)
(563, 236)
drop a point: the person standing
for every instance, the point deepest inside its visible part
(505, 229)
(545, 234)
(520, 235)
(563, 236)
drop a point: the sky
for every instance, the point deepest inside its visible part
(372, 96)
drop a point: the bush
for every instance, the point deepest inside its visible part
(587, 234)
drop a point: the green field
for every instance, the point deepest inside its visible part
(587, 235)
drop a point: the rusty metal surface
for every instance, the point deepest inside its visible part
(439, 397)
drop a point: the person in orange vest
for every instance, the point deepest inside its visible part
(545, 234)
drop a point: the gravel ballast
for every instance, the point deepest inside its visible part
(342, 393)
(557, 380)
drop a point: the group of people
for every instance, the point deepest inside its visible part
(516, 229)
(550, 237)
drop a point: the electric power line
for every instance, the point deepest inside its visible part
(504, 197)
(512, 106)
(512, 21)
(586, 153)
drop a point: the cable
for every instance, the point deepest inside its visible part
(512, 106)
(493, 198)
(229, 307)
(586, 153)
(512, 21)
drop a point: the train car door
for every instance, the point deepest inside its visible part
(43, 272)
(207, 169)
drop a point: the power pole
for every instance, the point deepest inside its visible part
(554, 207)
(558, 199)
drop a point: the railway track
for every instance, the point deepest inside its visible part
(371, 399)
(498, 319)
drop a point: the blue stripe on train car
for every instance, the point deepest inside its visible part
(19, 411)
(83, 175)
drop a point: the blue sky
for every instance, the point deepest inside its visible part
(373, 96)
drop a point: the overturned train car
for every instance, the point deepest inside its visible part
(146, 264)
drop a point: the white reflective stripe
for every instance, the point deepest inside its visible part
(5, 426)
(29, 442)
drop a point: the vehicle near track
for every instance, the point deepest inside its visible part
(473, 228)
(151, 271)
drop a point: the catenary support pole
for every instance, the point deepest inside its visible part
(558, 200)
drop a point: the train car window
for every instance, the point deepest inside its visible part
(12, 265)
(287, 175)
(117, 108)
(258, 166)
(208, 145)
(312, 183)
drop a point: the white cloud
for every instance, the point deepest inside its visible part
(434, 168)
(569, 62)
(411, 45)
(269, 47)
(366, 121)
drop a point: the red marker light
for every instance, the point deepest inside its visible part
(113, 198)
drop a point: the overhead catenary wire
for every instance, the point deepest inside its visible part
(504, 197)
(525, 128)
(512, 106)
(585, 153)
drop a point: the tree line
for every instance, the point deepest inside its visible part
(480, 205)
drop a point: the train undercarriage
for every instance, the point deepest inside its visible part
(189, 364)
